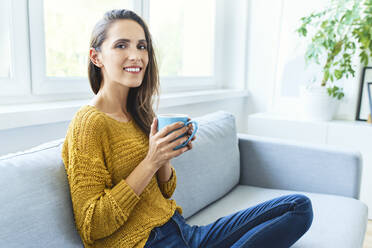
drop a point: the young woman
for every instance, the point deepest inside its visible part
(118, 164)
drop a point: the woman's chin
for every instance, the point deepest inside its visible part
(130, 84)
(133, 84)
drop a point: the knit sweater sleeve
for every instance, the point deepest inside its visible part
(167, 188)
(99, 209)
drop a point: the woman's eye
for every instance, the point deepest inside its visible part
(121, 46)
(143, 47)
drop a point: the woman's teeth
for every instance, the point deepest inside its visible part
(132, 69)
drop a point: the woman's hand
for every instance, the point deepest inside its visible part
(191, 129)
(161, 145)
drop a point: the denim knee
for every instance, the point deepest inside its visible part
(302, 205)
(300, 202)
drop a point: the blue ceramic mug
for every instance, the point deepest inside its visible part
(167, 119)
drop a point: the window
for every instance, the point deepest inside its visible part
(183, 33)
(50, 38)
(59, 49)
(68, 25)
(291, 57)
(14, 51)
(5, 39)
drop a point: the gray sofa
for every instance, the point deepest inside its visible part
(223, 173)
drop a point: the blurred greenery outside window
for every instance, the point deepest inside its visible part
(182, 32)
(68, 26)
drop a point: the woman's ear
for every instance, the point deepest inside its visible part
(94, 57)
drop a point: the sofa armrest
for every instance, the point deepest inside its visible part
(289, 165)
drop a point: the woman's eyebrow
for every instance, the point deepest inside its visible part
(128, 40)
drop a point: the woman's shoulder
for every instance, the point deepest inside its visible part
(87, 121)
(86, 129)
(89, 115)
(85, 135)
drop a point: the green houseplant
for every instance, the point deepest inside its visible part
(340, 32)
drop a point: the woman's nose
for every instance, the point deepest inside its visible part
(134, 55)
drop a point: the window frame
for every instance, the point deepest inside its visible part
(19, 82)
(29, 60)
(171, 84)
(43, 85)
(279, 103)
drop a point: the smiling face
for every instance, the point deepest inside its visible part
(123, 56)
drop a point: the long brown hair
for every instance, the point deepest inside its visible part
(140, 99)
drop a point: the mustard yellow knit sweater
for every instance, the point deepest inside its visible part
(99, 152)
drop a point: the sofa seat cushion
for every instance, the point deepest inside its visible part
(338, 221)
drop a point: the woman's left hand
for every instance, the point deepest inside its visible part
(189, 132)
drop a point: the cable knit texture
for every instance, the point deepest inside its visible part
(99, 152)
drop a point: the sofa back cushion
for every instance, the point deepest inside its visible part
(35, 209)
(212, 168)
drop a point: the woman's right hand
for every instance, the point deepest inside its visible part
(161, 145)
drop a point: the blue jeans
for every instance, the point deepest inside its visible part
(277, 223)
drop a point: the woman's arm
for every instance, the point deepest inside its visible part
(164, 173)
(140, 177)
(168, 184)
(99, 209)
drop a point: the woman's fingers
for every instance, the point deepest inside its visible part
(190, 132)
(189, 145)
(154, 126)
(166, 130)
(174, 135)
(175, 143)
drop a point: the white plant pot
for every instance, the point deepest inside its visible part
(317, 105)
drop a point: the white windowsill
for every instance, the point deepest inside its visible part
(14, 116)
(296, 118)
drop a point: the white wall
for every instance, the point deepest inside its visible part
(264, 33)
